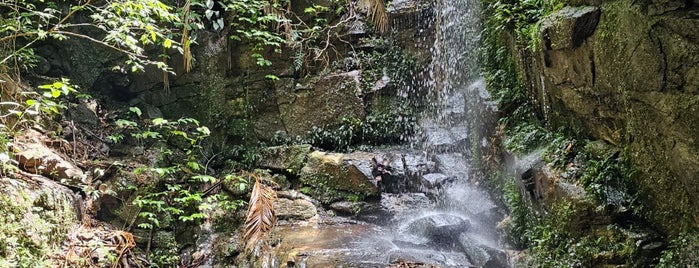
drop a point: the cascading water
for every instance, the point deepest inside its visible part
(431, 212)
(464, 217)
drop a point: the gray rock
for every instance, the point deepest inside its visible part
(482, 255)
(38, 212)
(453, 164)
(324, 103)
(346, 207)
(439, 228)
(417, 164)
(569, 27)
(434, 180)
(297, 209)
(365, 162)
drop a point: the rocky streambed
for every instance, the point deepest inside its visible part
(377, 209)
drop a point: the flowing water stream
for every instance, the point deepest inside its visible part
(438, 216)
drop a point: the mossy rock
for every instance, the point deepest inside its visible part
(328, 179)
(36, 216)
(285, 158)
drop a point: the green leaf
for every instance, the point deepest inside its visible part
(55, 93)
(136, 111)
(167, 43)
(159, 121)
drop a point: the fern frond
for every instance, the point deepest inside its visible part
(376, 11)
(260, 217)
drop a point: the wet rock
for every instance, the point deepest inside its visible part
(436, 136)
(364, 162)
(482, 255)
(453, 164)
(431, 184)
(416, 165)
(328, 179)
(297, 209)
(440, 228)
(399, 203)
(287, 158)
(391, 172)
(346, 207)
(35, 157)
(434, 180)
(455, 108)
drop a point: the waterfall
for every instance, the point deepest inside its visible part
(431, 211)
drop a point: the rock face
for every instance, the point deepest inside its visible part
(627, 72)
(324, 103)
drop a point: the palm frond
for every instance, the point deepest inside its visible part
(260, 217)
(186, 50)
(376, 11)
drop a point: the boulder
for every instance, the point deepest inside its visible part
(327, 178)
(297, 209)
(35, 157)
(37, 215)
(439, 228)
(434, 180)
(288, 158)
(482, 255)
(346, 207)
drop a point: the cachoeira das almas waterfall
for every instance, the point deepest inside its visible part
(431, 210)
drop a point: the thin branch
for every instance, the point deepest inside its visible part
(130, 53)
(70, 14)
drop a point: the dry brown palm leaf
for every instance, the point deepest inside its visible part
(376, 11)
(186, 50)
(260, 218)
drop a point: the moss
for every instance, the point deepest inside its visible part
(35, 221)
(682, 251)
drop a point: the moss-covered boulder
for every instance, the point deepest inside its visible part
(327, 178)
(37, 214)
(284, 158)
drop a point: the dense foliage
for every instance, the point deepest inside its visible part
(176, 180)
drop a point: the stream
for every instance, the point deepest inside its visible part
(431, 213)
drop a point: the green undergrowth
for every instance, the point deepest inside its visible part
(578, 231)
(682, 251)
